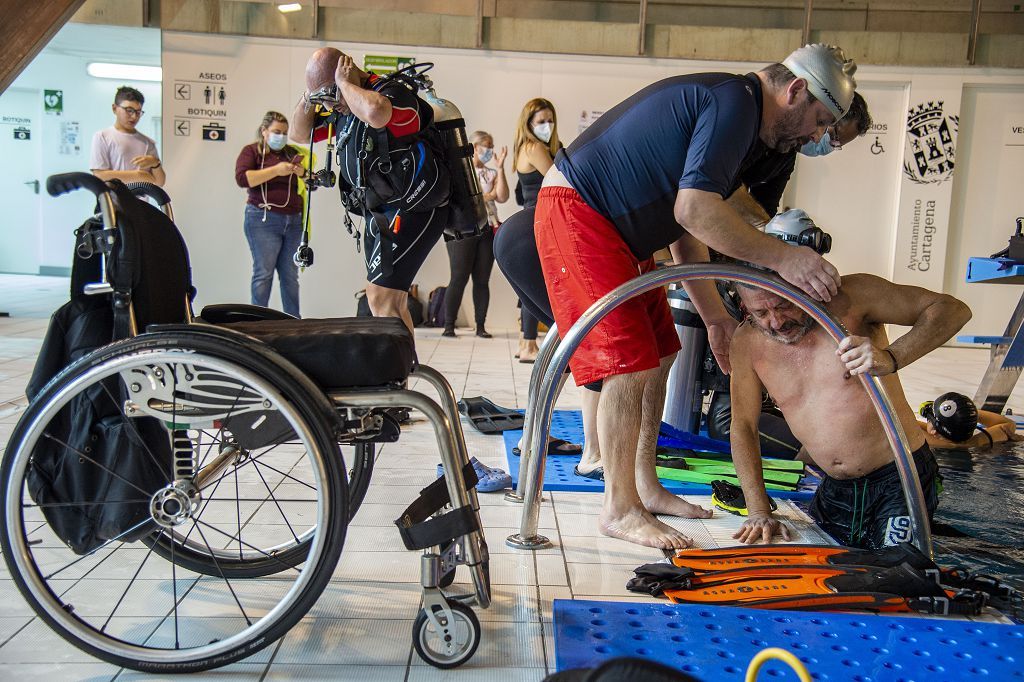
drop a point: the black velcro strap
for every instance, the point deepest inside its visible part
(419, 530)
(962, 603)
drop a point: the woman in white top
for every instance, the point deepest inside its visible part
(474, 257)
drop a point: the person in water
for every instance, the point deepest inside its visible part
(780, 348)
(953, 422)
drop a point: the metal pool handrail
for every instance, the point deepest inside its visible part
(536, 438)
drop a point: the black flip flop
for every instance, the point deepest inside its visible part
(557, 446)
(595, 475)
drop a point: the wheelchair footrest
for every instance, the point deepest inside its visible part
(420, 531)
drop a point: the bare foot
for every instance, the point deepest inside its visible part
(661, 501)
(640, 527)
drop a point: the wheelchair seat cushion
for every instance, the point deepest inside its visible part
(346, 352)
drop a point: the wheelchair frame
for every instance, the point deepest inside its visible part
(445, 634)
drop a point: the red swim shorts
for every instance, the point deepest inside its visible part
(584, 257)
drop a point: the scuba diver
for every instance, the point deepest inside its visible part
(404, 166)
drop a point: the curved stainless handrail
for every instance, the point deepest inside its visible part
(527, 538)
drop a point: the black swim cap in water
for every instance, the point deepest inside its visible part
(953, 415)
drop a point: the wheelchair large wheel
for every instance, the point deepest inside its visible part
(243, 469)
(245, 562)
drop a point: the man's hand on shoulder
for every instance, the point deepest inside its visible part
(859, 356)
(806, 270)
(761, 526)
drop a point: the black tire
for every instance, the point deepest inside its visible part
(238, 618)
(428, 643)
(359, 476)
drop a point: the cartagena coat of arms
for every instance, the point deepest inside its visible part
(931, 144)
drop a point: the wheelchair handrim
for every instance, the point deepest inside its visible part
(14, 521)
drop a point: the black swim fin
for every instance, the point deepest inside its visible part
(729, 497)
(486, 417)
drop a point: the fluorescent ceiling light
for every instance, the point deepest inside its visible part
(127, 72)
(290, 7)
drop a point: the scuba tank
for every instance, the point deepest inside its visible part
(468, 216)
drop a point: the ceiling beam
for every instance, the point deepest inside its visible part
(26, 29)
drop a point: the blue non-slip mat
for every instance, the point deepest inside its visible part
(559, 474)
(717, 642)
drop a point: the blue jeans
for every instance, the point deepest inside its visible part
(273, 243)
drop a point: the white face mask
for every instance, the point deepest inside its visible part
(543, 132)
(277, 141)
(822, 147)
(486, 154)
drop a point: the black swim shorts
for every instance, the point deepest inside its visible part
(871, 511)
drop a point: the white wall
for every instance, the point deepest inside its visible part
(854, 194)
(87, 100)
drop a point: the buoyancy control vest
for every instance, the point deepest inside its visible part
(424, 170)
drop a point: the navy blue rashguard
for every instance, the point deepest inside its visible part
(684, 132)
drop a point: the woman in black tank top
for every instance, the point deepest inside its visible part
(536, 143)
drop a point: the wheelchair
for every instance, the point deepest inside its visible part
(175, 498)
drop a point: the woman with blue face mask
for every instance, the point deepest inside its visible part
(474, 256)
(534, 149)
(271, 170)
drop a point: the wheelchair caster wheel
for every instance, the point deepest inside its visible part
(443, 643)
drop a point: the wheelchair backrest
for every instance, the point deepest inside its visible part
(149, 262)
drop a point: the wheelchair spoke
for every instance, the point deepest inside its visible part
(278, 505)
(247, 545)
(223, 577)
(105, 545)
(124, 594)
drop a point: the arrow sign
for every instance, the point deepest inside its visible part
(182, 91)
(182, 127)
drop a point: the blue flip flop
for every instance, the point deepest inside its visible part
(488, 480)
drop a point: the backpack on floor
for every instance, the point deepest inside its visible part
(435, 307)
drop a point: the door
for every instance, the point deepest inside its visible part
(20, 183)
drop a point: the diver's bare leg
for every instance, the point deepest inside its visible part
(623, 515)
(652, 492)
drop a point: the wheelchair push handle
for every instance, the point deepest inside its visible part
(148, 189)
(63, 183)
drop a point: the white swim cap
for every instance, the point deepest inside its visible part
(787, 226)
(829, 75)
(797, 228)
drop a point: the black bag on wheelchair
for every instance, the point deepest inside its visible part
(94, 474)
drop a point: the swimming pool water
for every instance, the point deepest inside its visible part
(983, 498)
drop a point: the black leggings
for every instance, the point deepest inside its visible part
(515, 250)
(472, 256)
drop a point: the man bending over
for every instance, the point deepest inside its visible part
(780, 348)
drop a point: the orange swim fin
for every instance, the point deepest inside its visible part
(820, 587)
(748, 556)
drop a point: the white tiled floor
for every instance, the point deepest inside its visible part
(360, 628)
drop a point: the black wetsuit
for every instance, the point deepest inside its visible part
(414, 223)
(871, 511)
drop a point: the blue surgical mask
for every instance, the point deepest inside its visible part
(822, 147)
(486, 155)
(543, 132)
(277, 141)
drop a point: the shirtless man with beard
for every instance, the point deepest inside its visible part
(780, 348)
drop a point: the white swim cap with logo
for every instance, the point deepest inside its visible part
(788, 225)
(829, 75)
